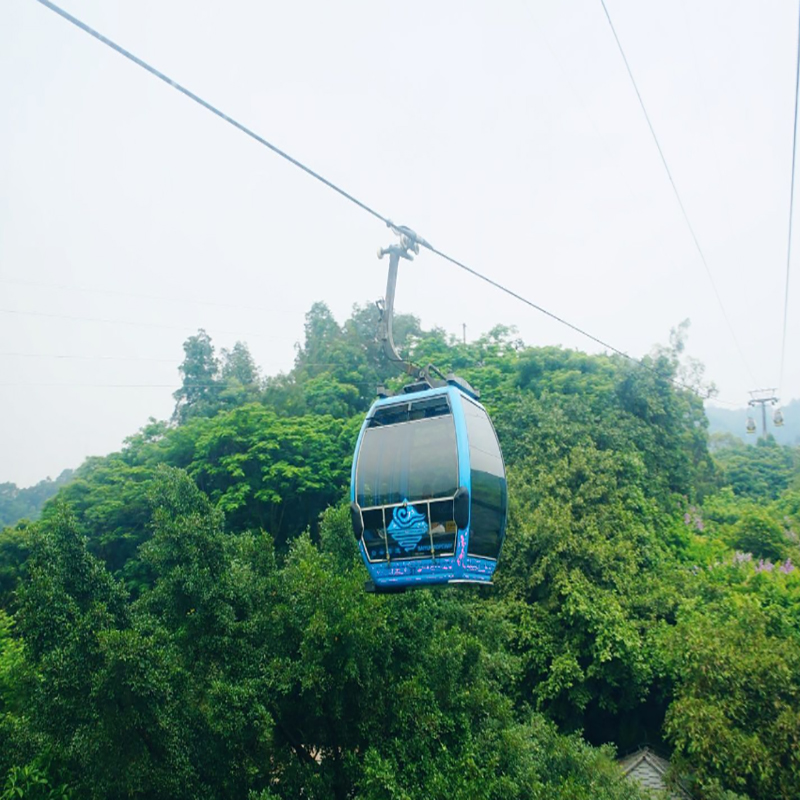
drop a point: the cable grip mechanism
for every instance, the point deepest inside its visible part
(406, 248)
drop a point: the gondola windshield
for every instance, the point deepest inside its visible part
(408, 453)
(406, 478)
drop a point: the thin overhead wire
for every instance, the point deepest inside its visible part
(730, 404)
(172, 299)
(173, 386)
(724, 199)
(557, 318)
(137, 323)
(72, 357)
(144, 359)
(17, 385)
(261, 140)
(530, 303)
(677, 194)
(791, 215)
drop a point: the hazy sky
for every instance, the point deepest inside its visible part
(506, 133)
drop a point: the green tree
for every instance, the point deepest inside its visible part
(108, 498)
(239, 376)
(14, 550)
(757, 533)
(97, 700)
(200, 388)
(735, 719)
(209, 601)
(338, 368)
(271, 472)
(11, 698)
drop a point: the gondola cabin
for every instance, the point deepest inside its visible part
(428, 490)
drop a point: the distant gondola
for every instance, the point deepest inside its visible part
(428, 491)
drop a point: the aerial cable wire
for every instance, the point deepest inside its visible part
(208, 106)
(20, 385)
(138, 323)
(173, 386)
(677, 193)
(192, 301)
(278, 151)
(143, 359)
(791, 215)
(561, 320)
(80, 357)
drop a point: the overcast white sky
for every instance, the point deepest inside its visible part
(506, 133)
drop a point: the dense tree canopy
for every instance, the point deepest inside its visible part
(187, 619)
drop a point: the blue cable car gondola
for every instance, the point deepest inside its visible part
(428, 489)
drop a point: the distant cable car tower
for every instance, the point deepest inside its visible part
(763, 397)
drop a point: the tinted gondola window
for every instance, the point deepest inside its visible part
(374, 534)
(408, 452)
(488, 490)
(418, 530)
(409, 411)
(443, 528)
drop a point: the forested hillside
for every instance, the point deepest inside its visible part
(188, 617)
(17, 504)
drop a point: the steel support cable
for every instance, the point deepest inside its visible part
(213, 109)
(677, 195)
(561, 320)
(247, 131)
(791, 215)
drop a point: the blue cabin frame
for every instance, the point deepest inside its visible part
(395, 555)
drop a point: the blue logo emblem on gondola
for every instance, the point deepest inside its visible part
(408, 526)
